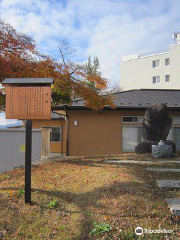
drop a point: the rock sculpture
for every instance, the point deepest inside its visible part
(156, 123)
(156, 126)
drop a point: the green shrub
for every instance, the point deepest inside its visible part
(53, 204)
(21, 192)
(100, 228)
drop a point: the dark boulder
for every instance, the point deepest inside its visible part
(145, 147)
(156, 123)
(169, 142)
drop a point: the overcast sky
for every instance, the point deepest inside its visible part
(107, 29)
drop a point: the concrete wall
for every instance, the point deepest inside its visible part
(175, 66)
(11, 154)
(137, 73)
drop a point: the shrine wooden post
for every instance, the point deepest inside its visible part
(28, 99)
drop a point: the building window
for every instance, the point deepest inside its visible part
(176, 120)
(132, 135)
(156, 79)
(156, 63)
(176, 139)
(167, 61)
(174, 135)
(132, 119)
(167, 78)
(55, 134)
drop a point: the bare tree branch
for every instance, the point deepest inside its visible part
(64, 49)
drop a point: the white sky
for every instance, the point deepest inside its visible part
(4, 121)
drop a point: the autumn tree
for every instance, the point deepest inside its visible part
(92, 70)
(20, 58)
(93, 66)
(17, 52)
(89, 85)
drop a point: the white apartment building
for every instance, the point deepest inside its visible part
(153, 70)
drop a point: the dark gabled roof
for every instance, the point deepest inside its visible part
(28, 81)
(144, 98)
(139, 99)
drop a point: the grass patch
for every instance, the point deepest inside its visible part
(86, 198)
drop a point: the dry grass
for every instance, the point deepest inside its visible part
(87, 190)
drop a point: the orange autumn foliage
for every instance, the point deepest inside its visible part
(19, 58)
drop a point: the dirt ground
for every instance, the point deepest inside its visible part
(73, 196)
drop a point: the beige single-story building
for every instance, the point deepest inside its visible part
(84, 132)
(113, 131)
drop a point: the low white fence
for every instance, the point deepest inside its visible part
(12, 148)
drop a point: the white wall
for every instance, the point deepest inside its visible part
(138, 73)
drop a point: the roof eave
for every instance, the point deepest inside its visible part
(67, 107)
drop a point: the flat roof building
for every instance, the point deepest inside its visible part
(154, 70)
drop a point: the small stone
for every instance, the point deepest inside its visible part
(168, 183)
(163, 169)
(174, 205)
(162, 151)
(168, 161)
(129, 161)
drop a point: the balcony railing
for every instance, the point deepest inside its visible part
(153, 52)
